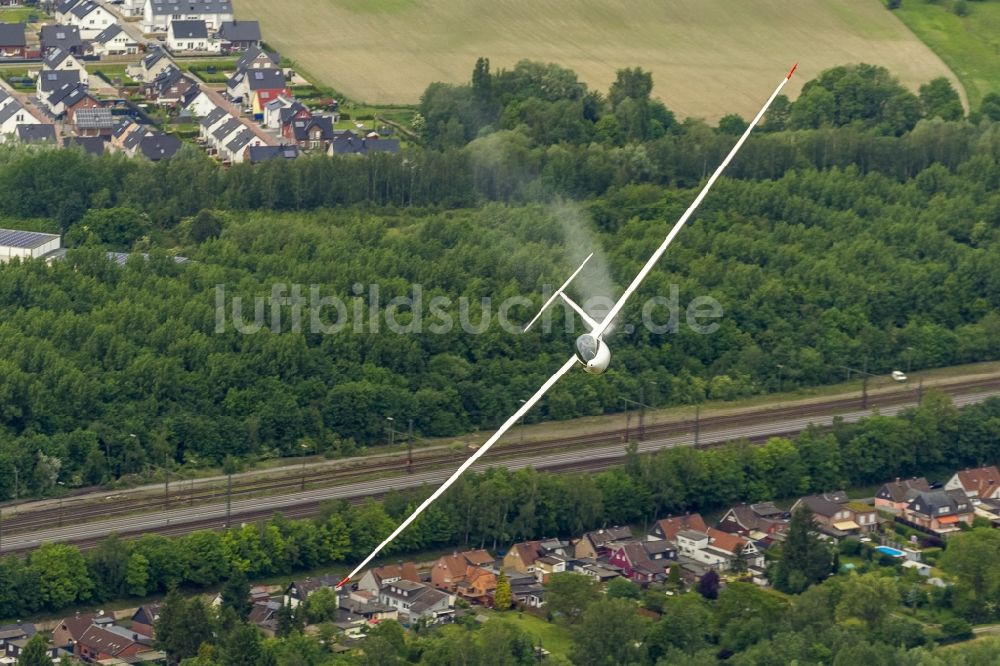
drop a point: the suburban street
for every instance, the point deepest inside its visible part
(213, 515)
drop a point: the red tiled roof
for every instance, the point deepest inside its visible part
(671, 526)
(982, 482)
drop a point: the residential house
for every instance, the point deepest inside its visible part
(89, 17)
(258, 154)
(736, 547)
(66, 37)
(130, 143)
(314, 132)
(254, 88)
(59, 101)
(756, 521)
(50, 81)
(696, 546)
(144, 619)
(265, 616)
(190, 36)
(132, 7)
(239, 35)
(15, 632)
(981, 483)
(169, 87)
(224, 133)
(668, 528)
(79, 101)
(237, 148)
(895, 495)
(373, 579)
(521, 557)
(587, 566)
(350, 624)
(122, 130)
(70, 629)
(835, 516)
(416, 601)
(450, 570)
(940, 511)
(299, 590)
(348, 143)
(600, 543)
(112, 41)
(548, 565)
(110, 642)
(525, 589)
(13, 42)
(257, 58)
(636, 564)
(93, 126)
(154, 63)
(478, 585)
(157, 14)
(13, 115)
(58, 59)
(197, 102)
(211, 122)
(282, 110)
(158, 146)
(14, 647)
(36, 133)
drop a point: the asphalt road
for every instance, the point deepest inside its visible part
(202, 516)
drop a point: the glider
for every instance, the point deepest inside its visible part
(591, 351)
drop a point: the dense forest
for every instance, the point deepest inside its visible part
(859, 229)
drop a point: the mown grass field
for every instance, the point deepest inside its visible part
(970, 45)
(709, 57)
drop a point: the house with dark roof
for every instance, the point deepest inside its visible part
(90, 120)
(254, 88)
(144, 619)
(348, 143)
(12, 114)
(169, 87)
(940, 511)
(154, 63)
(13, 42)
(299, 590)
(600, 543)
(89, 17)
(836, 516)
(99, 643)
(756, 521)
(59, 59)
(239, 35)
(66, 37)
(258, 154)
(93, 145)
(69, 95)
(373, 579)
(981, 483)
(190, 36)
(895, 495)
(157, 14)
(36, 133)
(159, 146)
(282, 110)
(521, 556)
(236, 148)
(50, 81)
(113, 40)
(312, 133)
(257, 58)
(636, 563)
(416, 601)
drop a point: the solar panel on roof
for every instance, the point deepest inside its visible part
(28, 240)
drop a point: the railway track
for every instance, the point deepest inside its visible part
(376, 470)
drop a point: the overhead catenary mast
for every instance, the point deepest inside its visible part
(597, 332)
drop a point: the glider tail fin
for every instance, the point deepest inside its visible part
(558, 293)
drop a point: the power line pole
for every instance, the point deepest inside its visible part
(166, 481)
(409, 446)
(642, 412)
(229, 497)
(697, 424)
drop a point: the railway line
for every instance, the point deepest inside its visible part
(249, 501)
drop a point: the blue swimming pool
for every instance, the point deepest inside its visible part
(891, 552)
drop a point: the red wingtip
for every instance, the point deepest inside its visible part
(792, 70)
(344, 582)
